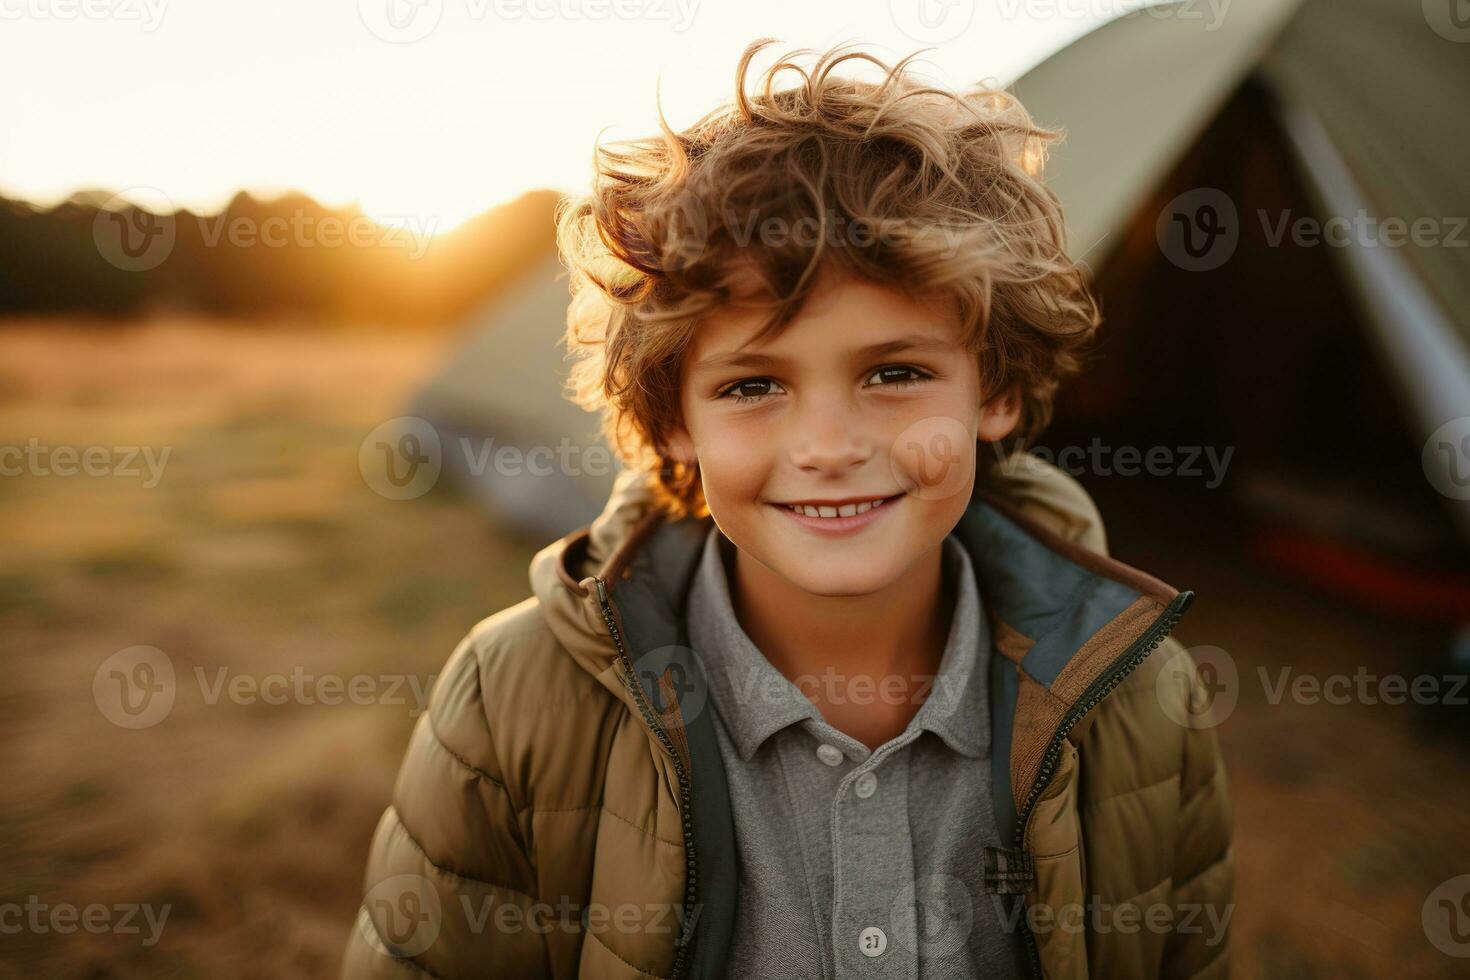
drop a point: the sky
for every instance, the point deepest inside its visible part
(425, 111)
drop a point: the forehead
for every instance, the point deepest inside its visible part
(843, 312)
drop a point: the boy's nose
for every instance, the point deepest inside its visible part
(828, 440)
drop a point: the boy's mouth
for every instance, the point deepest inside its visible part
(836, 517)
(844, 507)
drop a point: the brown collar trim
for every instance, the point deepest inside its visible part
(615, 566)
(1141, 582)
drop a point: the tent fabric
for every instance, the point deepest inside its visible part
(1389, 90)
(1132, 97)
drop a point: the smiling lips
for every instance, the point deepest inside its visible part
(836, 508)
(837, 517)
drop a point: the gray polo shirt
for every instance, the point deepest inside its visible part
(856, 863)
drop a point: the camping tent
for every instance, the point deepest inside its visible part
(506, 432)
(1362, 93)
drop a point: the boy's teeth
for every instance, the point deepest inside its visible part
(846, 510)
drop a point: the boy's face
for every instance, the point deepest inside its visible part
(867, 395)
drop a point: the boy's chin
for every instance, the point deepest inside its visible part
(855, 575)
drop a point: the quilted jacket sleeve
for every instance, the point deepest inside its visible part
(1204, 873)
(448, 879)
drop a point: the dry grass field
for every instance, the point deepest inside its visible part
(260, 553)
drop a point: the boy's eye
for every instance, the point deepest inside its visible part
(751, 389)
(901, 375)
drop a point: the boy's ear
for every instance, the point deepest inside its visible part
(681, 445)
(999, 415)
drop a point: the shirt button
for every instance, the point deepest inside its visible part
(866, 785)
(829, 754)
(872, 941)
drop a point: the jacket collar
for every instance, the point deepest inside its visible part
(1058, 607)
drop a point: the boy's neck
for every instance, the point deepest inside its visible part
(866, 662)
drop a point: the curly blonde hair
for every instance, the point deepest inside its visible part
(903, 184)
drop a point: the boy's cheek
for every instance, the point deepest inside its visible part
(933, 459)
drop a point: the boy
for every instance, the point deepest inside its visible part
(826, 690)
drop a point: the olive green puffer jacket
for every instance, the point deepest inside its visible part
(562, 809)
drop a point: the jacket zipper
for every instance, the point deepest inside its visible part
(1091, 698)
(636, 689)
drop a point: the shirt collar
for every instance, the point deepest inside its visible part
(755, 700)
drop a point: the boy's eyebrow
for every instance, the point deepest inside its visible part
(751, 359)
